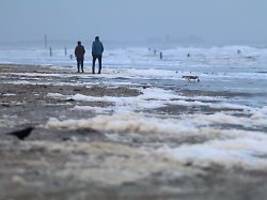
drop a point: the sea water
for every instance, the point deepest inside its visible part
(219, 68)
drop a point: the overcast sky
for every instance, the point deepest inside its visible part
(213, 20)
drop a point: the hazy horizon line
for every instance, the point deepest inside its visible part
(143, 41)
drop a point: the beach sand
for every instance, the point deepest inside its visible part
(94, 161)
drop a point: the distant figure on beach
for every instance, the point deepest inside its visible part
(155, 51)
(188, 55)
(239, 51)
(79, 53)
(97, 52)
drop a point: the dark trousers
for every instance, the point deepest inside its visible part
(80, 64)
(99, 58)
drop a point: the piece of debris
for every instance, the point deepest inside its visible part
(22, 134)
(145, 87)
(6, 105)
(70, 100)
(71, 139)
(189, 78)
(18, 180)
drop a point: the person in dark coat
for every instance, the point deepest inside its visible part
(79, 53)
(97, 52)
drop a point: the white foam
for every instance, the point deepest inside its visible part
(55, 95)
(129, 122)
(92, 109)
(138, 123)
(140, 102)
(8, 94)
(229, 148)
(246, 151)
(151, 98)
(24, 82)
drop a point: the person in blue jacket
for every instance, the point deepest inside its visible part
(97, 52)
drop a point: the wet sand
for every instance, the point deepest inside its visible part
(60, 163)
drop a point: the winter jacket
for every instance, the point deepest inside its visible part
(97, 48)
(79, 52)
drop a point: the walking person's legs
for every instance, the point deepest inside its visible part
(78, 66)
(100, 64)
(93, 67)
(82, 65)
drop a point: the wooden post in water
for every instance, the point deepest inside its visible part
(66, 51)
(161, 55)
(50, 51)
(45, 41)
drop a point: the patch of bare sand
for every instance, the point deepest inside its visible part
(22, 68)
(30, 104)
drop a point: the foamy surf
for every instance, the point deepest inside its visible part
(228, 148)
(246, 151)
